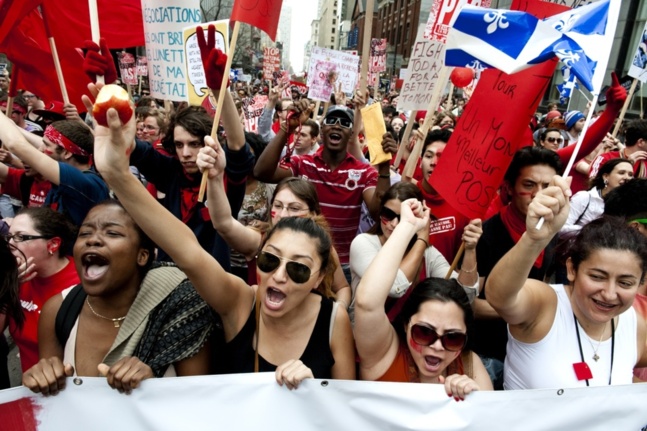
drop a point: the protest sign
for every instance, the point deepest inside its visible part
(252, 110)
(127, 68)
(377, 62)
(196, 82)
(427, 59)
(441, 15)
(638, 67)
(328, 68)
(163, 24)
(201, 402)
(295, 85)
(142, 65)
(271, 61)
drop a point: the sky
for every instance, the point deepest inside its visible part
(303, 12)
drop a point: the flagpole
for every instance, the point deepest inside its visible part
(57, 61)
(641, 100)
(96, 33)
(632, 89)
(404, 143)
(221, 101)
(13, 89)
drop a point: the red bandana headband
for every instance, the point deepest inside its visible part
(57, 137)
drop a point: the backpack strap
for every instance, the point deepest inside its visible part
(68, 313)
(584, 212)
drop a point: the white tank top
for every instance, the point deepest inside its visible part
(548, 363)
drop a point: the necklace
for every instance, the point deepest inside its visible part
(115, 320)
(595, 349)
(577, 366)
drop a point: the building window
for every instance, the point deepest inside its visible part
(334, 21)
(332, 30)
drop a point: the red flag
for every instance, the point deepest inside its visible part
(263, 14)
(28, 49)
(120, 21)
(493, 126)
(12, 12)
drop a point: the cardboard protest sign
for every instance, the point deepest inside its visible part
(427, 58)
(142, 65)
(377, 62)
(163, 24)
(127, 68)
(327, 69)
(195, 82)
(638, 67)
(271, 61)
(252, 110)
(441, 15)
(374, 129)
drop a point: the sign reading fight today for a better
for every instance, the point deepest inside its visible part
(196, 82)
(329, 68)
(427, 59)
(163, 24)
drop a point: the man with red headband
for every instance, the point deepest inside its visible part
(63, 158)
(19, 114)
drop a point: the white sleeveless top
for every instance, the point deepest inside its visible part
(548, 363)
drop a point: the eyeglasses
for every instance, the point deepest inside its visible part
(278, 207)
(388, 215)
(28, 96)
(553, 140)
(19, 237)
(343, 122)
(297, 271)
(425, 336)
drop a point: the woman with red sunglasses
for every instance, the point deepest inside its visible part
(427, 340)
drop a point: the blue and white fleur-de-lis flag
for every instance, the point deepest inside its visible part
(567, 86)
(512, 40)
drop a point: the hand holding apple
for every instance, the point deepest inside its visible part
(112, 96)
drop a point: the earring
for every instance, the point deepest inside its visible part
(606, 183)
(51, 253)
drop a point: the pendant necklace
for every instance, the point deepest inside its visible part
(115, 320)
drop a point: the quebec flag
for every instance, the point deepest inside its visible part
(512, 40)
(566, 88)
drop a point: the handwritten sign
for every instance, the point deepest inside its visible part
(377, 62)
(442, 12)
(252, 110)
(427, 58)
(638, 67)
(271, 62)
(127, 68)
(163, 23)
(295, 85)
(329, 68)
(142, 65)
(196, 82)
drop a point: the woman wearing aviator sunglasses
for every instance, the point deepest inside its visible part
(42, 241)
(293, 197)
(420, 261)
(282, 325)
(427, 340)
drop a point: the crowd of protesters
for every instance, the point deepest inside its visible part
(306, 260)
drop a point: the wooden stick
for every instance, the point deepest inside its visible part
(13, 90)
(220, 102)
(315, 116)
(57, 61)
(449, 104)
(366, 46)
(455, 261)
(139, 91)
(405, 139)
(129, 89)
(443, 77)
(94, 27)
(641, 100)
(625, 107)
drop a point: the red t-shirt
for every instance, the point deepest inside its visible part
(340, 193)
(33, 295)
(37, 192)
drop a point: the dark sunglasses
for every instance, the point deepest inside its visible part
(344, 122)
(553, 140)
(425, 336)
(388, 215)
(297, 271)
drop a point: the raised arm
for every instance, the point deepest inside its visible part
(241, 238)
(375, 338)
(227, 294)
(518, 300)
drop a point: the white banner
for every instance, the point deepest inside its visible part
(638, 67)
(256, 402)
(163, 23)
(329, 68)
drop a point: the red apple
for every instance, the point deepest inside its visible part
(112, 96)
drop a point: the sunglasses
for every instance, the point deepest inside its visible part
(343, 122)
(388, 215)
(553, 140)
(425, 336)
(19, 237)
(297, 271)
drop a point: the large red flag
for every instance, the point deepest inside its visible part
(12, 12)
(263, 14)
(120, 21)
(26, 46)
(492, 127)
